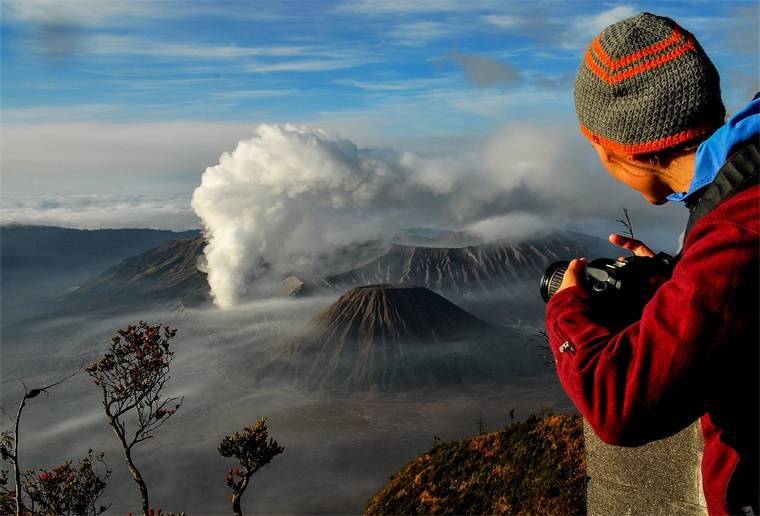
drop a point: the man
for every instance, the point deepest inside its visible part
(648, 98)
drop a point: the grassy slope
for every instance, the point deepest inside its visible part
(531, 467)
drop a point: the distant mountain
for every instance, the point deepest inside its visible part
(389, 337)
(468, 275)
(171, 272)
(510, 270)
(533, 467)
(64, 249)
(39, 263)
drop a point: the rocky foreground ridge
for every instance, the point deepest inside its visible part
(531, 467)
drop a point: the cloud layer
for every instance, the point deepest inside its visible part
(88, 158)
(100, 211)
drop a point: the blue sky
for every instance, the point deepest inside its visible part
(469, 63)
(102, 91)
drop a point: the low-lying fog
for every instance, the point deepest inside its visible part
(338, 451)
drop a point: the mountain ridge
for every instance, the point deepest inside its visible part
(485, 271)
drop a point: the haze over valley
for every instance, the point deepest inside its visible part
(345, 432)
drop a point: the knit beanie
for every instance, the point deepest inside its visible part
(646, 85)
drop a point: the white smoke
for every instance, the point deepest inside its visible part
(513, 226)
(289, 194)
(292, 193)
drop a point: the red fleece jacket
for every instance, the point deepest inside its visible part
(693, 354)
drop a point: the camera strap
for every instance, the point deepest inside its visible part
(741, 170)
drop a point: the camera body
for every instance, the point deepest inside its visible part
(616, 286)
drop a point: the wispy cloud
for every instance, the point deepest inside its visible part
(505, 21)
(584, 28)
(397, 85)
(420, 32)
(111, 44)
(568, 32)
(260, 94)
(163, 84)
(307, 65)
(402, 6)
(448, 109)
(82, 12)
(88, 14)
(493, 103)
(259, 59)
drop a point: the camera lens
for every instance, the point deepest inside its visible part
(552, 279)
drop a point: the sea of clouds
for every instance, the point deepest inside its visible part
(94, 211)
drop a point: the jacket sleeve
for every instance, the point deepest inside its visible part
(654, 377)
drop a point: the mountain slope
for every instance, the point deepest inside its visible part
(532, 467)
(388, 337)
(40, 263)
(168, 273)
(67, 249)
(507, 271)
(510, 270)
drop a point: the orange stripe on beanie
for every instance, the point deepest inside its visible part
(614, 64)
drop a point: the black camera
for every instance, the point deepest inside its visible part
(629, 282)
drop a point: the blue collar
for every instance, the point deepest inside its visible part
(713, 152)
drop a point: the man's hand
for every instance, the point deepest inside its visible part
(639, 249)
(573, 275)
(635, 246)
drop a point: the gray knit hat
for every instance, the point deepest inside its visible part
(646, 85)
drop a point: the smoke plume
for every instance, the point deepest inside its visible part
(290, 193)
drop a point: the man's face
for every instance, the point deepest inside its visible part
(640, 176)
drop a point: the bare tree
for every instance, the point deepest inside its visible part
(254, 450)
(9, 440)
(541, 339)
(131, 376)
(481, 425)
(626, 222)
